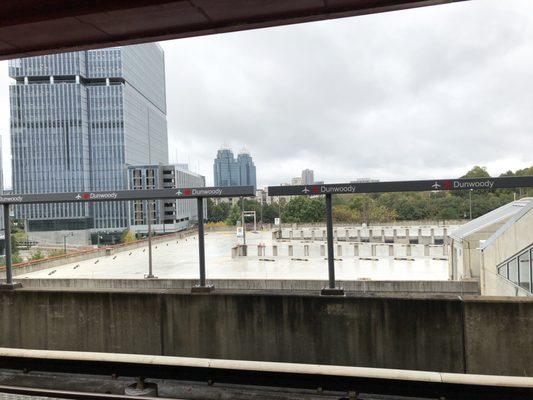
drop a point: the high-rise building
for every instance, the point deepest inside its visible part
(308, 177)
(229, 171)
(77, 120)
(167, 215)
(246, 168)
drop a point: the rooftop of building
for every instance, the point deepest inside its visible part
(506, 213)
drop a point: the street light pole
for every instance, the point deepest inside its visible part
(242, 221)
(470, 197)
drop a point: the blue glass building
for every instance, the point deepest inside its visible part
(77, 121)
(229, 171)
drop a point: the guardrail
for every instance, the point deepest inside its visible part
(387, 187)
(198, 193)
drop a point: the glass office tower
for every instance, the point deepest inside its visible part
(77, 120)
(229, 171)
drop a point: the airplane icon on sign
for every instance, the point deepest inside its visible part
(179, 193)
(435, 186)
(305, 190)
(78, 197)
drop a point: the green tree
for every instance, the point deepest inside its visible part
(304, 209)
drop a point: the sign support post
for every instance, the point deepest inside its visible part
(202, 287)
(7, 244)
(331, 289)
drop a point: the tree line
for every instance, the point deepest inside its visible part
(380, 207)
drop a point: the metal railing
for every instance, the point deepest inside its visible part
(198, 193)
(387, 187)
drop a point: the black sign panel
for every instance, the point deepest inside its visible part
(403, 186)
(121, 195)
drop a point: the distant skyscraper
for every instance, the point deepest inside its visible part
(247, 169)
(308, 177)
(77, 120)
(229, 171)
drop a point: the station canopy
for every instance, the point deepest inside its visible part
(34, 27)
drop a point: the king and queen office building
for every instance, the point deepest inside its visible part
(78, 120)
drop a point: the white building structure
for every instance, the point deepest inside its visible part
(497, 249)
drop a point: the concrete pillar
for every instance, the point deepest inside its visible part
(339, 250)
(432, 232)
(382, 235)
(359, 235)
(373, 250)
(302, 234)
(334, 233)
(445, 235)
(408, 250)
(259, 251)
(407, 237)
(291, 250)
(394, 235)
(324, 235)
(391, 250)
(347, 234)
(426, 250)
(419, 235)
(291, 234)
(306, 250)
(312, 234)
(444, 249)
(370, 235)
(275, 251)
(322, 250)
(356, 250)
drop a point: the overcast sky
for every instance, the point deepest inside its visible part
(412, 94)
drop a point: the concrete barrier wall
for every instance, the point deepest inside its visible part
(473, 335)
(385, 287)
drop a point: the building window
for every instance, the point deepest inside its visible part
(519, 269)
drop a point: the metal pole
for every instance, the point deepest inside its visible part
(470, 196)
(7, 244)
(242, 222)
(201, 244)
(64, 244)
(329, 229)
(150, 270)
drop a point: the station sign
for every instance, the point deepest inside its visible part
(124, 195)
(403, 186)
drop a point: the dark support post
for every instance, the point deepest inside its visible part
(202, 287)
(7, 244)
(331, 289)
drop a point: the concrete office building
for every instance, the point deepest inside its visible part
(229, 171)
(167, 215)
(496, 248)
(77, 120)
(308, 177)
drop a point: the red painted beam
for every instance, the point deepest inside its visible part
(33, 27)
